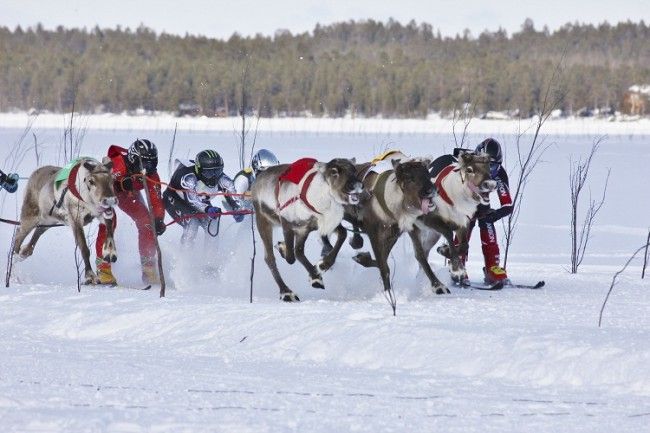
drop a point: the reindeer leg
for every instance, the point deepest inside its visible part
(458, 272)
(327, 246)
(315, 278)
(328, 261)
(421, 257)
(265, 229)
(364, 258)
(80, 239)
(109, 252)
(286, 248)
(356, 241)
(27, 224)
(28, 250)
(382, 242)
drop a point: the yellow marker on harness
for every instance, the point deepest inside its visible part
(383, 156)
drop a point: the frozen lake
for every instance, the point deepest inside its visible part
(204, 359)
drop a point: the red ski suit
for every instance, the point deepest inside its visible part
(489, 242)
(131, 202)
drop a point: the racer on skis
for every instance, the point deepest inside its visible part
(187, 198)
(127, 166)
(487, 216)
(262, 160)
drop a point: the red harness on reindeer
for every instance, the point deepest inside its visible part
(295, 174)
(441, 190)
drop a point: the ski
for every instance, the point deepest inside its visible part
(481, 286)
(119, 286)
(537, 285)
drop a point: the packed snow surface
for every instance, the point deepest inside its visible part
(203, 359)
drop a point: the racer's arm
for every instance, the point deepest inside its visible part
(503, 191)
(228, 186)
(241, 183)
(189, 184)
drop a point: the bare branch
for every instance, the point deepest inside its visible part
(611, 287)
(580, 236)
(528, 158)
(645, 256)
(171, 151)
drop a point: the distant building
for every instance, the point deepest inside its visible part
(189, 109)
(636, 100)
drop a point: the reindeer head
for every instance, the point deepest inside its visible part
(98, 181)
(475, 171)
(345, 186)
(414, 180)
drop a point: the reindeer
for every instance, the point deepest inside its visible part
(461, 186)
(303, 197)
(74, 195)
(398, 197)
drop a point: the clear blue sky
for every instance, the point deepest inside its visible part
(222, 18)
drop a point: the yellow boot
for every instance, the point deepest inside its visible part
(105, 273)
(150, 272)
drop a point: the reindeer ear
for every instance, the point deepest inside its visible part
(108, 163)
(466, 157)
(395, 162)
(90, 165)
(353, 160)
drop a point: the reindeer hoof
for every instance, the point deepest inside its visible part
(24, 253)
(364, 259)
(458, 276)
(112, 258)
(91, 279)
(323, 265)
(289, 297)
(356, 242)
(442, 290)
(317, 282)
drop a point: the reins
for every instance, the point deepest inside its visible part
(171, 188)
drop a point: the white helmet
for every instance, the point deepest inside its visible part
(262, 160)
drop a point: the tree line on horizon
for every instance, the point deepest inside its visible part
(366, 68)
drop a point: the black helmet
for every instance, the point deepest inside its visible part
(145, 152)
(493, 149)
(208, 166)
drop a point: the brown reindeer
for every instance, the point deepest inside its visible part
(303, 197)
(75, 195)
(398, 197)
(461, 185)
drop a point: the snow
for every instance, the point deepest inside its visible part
(433, 124)
(203, 359)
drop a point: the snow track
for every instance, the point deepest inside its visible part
(126, 361)
(205, 360)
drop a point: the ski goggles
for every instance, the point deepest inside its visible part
(212, 172)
